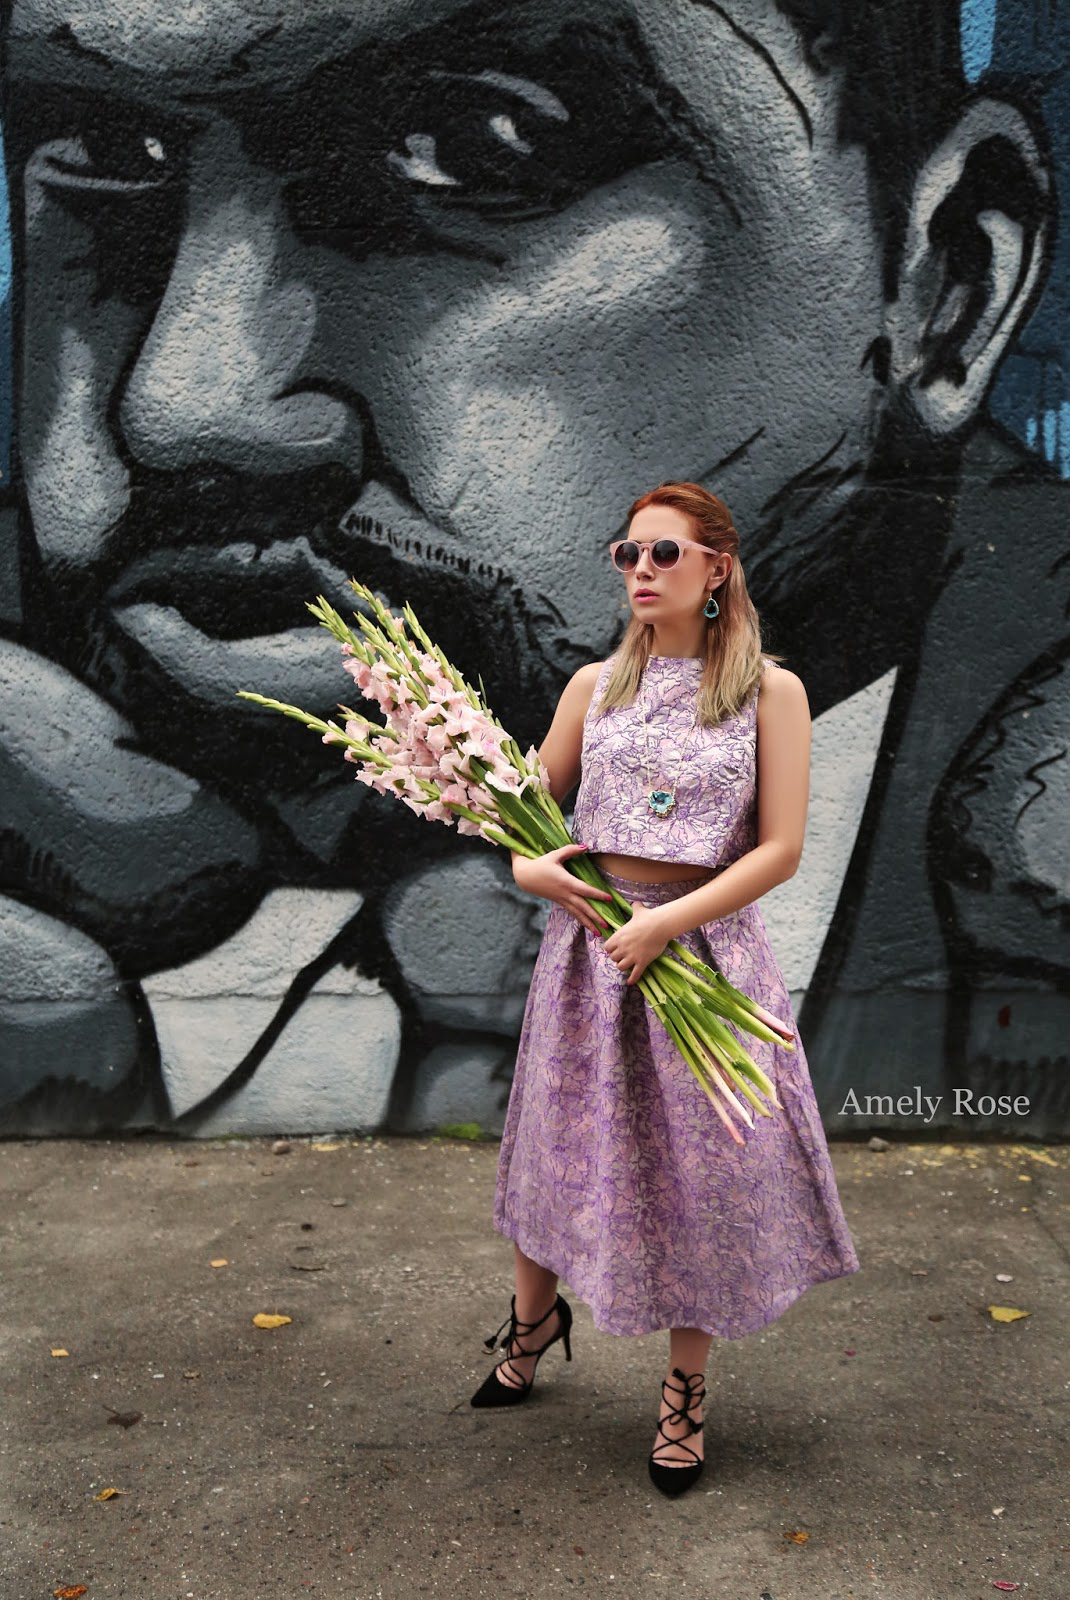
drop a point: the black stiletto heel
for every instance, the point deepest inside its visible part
(493, 1392)
(675, 1479)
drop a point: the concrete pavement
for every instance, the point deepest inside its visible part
(886, 1437)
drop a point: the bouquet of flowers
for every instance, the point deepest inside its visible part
(445, 756)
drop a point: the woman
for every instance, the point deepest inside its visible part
(693, 754)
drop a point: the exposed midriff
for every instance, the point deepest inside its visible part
(644, 871)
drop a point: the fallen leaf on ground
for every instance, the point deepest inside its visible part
(267, 1319)
(220, 1261)
(125, 1419)
(1001, 1583)
(70, 1591)
(326, 1147)
(108, 1494)
(61, 1352)
(796, 1534)
(194, 1372)
(1006, 1313)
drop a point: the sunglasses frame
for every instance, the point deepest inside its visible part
(668, 538)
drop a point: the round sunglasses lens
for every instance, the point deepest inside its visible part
(666, 553)
(627, 555)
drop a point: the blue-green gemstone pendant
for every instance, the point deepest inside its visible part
(661, 801)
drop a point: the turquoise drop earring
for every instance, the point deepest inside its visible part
(706, 612)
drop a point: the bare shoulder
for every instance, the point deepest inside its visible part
(583, 682)
(782, 688)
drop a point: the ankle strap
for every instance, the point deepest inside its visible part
(696, 1377)
(514, 1324)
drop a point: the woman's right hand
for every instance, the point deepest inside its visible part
(548, 876)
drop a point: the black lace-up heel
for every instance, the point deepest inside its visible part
(493, 1391)
(674, 1479)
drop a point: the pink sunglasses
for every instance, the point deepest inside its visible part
(665, 553)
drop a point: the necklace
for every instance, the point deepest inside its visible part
(661, 801)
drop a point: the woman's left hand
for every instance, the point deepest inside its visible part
(640, 941)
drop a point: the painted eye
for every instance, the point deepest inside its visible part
(487, 138)
(112, 160)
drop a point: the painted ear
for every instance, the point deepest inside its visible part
(977, 243)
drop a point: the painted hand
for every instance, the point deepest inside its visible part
(640, 941)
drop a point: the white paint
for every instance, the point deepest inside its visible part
(333, 1063)
(215, 669)
(524, 422)
(331, 1067)
(66, 737)
(85, 487)
(48, 960)
(287, 930)
(845, 742)
(608, 265)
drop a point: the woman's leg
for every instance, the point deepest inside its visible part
(688, 1350)
(536, 1292)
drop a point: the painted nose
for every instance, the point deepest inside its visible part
(226, 372)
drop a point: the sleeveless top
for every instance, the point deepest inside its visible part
(715, 818)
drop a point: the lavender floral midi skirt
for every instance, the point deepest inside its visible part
(615, 1171)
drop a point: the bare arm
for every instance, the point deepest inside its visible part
(560, 751)
(783, 761)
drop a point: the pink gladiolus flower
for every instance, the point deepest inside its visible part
(437, 740)
(507, 779)
(474, 747)
(436, 750)
(368, 775)
(453, 764)
(437, 812)
(532, 759)
(362, 675)
(465, 719)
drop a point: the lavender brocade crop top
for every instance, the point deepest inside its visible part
(714, 819)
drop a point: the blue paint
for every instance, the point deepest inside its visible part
(978, 36)
(5, 322)
(1048, 423)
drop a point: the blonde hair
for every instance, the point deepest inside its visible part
(734, 655)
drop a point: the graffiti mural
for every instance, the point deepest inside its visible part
(426, 292)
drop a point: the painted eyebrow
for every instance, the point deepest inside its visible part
(485, 21)
(766, 55)
(467, 22)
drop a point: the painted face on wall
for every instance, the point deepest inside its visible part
(426, 293)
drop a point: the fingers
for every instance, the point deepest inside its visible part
(584, 914)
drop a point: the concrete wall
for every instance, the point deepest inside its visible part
(427, 292)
